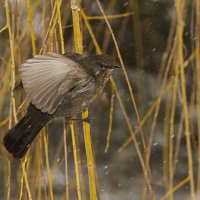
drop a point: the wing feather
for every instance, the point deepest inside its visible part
(44, 79)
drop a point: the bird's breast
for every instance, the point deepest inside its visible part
(74, 103)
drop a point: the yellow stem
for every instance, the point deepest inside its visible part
(86, 126)
(110, 122)
(60, 26)
(47, 165)
(175, 188)
(31, 27)
(110, 16)
(179, 11)
(26, 179)
(78, 186)
(66, 160)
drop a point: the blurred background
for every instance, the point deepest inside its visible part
(145, 126)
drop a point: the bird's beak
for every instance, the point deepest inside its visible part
(117, 64)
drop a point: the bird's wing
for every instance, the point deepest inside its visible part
(47, 78)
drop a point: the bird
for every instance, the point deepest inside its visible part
(57, 85)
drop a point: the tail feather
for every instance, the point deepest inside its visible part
(18, 139)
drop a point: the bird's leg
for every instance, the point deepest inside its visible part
(88, 120)
(83, 120)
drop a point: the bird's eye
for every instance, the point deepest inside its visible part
(102, 66)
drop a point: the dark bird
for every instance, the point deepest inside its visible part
(57, 86)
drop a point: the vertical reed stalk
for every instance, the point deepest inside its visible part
(179, 10)
(58, 3)
(47, 164)
(12, 100)
(31, 27)
(197, 62)
(166, 143)
(23, 162)
(86, 126)
(78, 185)
(110, 121)
(171, 137)
(66, 160)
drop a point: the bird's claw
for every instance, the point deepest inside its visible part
(87, 120)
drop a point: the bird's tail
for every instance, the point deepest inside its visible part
(18, 139)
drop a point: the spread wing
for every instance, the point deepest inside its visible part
(47, 78)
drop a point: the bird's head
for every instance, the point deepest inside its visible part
(101, 66)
